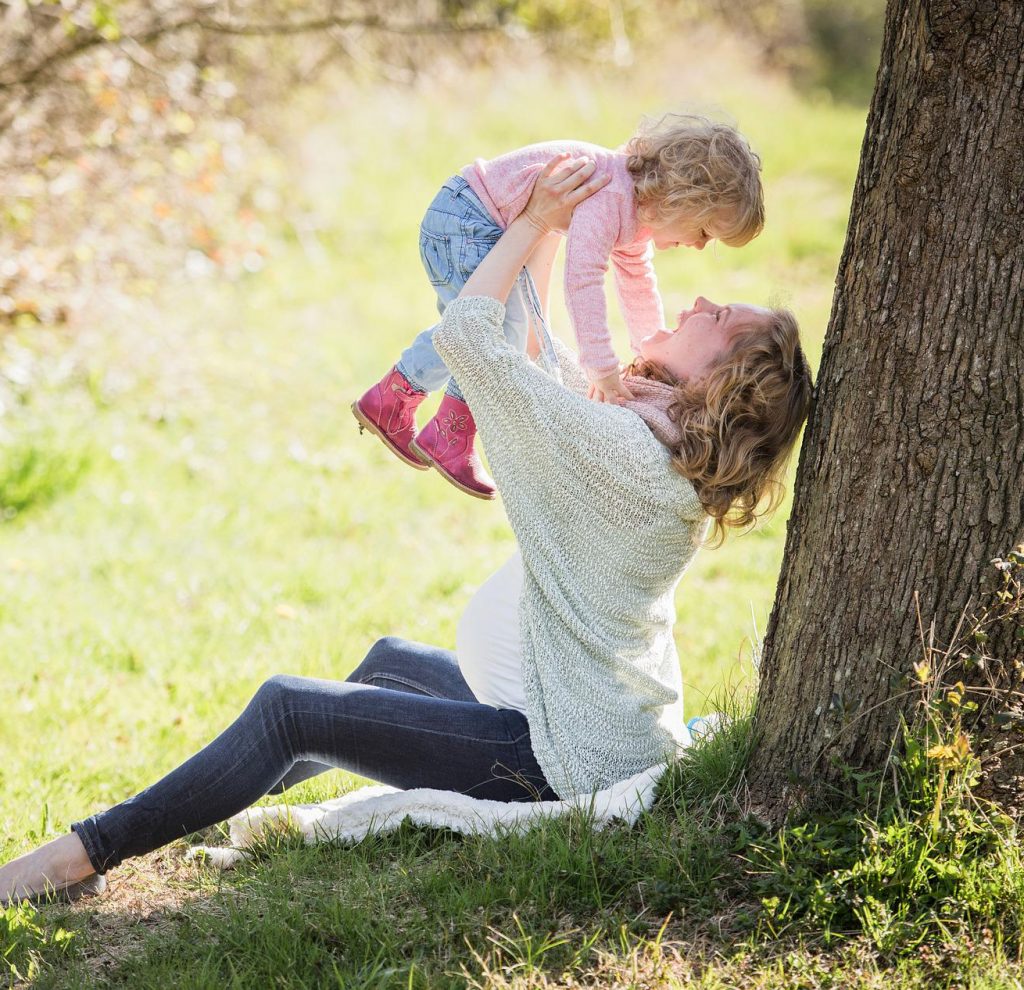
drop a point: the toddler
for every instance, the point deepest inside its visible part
(681, 181)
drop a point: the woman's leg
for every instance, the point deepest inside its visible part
(59, 863)
(261, 742)
(398, 665)
(402, 665)
(397, 737)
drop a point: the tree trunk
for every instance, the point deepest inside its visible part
(911, 474)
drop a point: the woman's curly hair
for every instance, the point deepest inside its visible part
(688, 166)
(740, 421)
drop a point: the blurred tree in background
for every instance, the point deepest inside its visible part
(138, 139)
(823, 44)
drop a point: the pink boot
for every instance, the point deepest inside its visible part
(389, 410)
(446, 442)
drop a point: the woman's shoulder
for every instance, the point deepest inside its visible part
(644, 464)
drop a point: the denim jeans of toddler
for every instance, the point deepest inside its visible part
(405, 717)
(455, 236)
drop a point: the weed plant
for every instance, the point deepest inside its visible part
(932, 864)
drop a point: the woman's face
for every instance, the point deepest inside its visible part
(702, 334)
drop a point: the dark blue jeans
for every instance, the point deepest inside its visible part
(405, 716)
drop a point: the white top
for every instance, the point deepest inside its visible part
(488, 642)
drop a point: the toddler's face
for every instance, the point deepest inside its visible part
(683, 232)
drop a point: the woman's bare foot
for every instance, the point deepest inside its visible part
(53, 865)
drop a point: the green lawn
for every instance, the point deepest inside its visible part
(197, 511)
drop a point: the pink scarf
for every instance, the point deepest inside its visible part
(650, 402)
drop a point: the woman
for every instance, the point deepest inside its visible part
(567, 678)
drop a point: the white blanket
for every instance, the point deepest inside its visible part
(368, 810)
(382, 809)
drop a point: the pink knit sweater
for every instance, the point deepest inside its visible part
(604, 229)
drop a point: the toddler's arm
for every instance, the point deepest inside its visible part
(589, 244)
(637, 288)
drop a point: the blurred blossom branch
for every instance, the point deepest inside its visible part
(138, 138)
(83, 38)
(33, 54)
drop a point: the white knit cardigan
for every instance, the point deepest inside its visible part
(606, 529)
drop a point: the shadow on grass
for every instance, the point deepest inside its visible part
(424, 908)
(688, 896)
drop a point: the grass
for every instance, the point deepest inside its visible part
(37, 470)
(196, 511)
(674, 901)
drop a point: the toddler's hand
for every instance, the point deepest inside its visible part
(611, 388)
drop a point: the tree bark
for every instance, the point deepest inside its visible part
(911, 473)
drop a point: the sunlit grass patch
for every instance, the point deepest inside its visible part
(681, 899)
(37, 469)
(25, 938)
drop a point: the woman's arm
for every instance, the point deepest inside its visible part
(497, 273)
(539, 266)
(561, 185)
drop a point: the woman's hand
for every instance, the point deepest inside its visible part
(560, 187)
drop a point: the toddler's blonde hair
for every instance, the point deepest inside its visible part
(689, 166)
